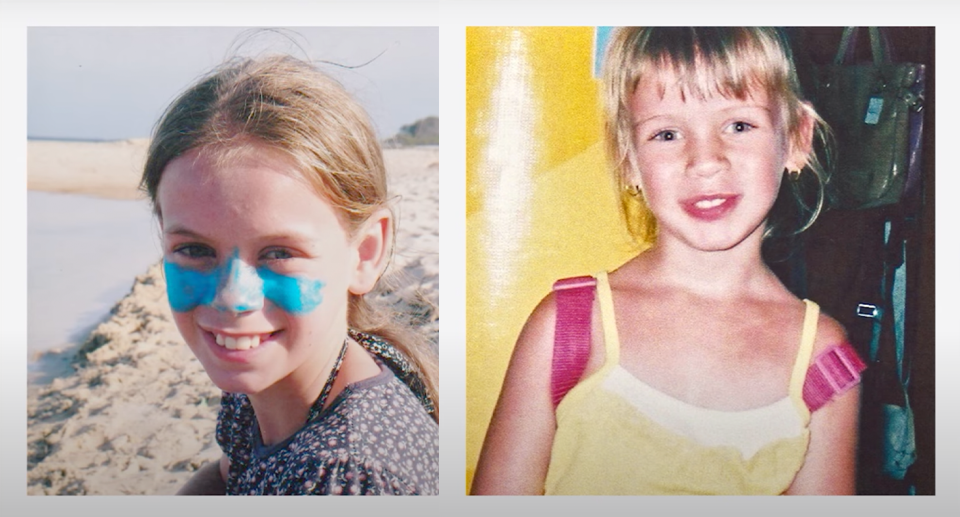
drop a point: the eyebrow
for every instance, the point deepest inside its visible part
(637, 123)
(182, 231)
(285, 236)
(750, 106)
(290, 235)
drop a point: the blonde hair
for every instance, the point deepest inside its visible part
(730, 61)
(291, 106)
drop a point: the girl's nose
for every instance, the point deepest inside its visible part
(240, 288)
(706, 156)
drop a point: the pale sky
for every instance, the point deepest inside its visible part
(110, 83)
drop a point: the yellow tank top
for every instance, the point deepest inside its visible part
(617, 435)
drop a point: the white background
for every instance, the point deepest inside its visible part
(453, 16)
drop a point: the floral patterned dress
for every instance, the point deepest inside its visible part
(376, 438)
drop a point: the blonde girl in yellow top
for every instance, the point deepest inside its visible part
(698, 355)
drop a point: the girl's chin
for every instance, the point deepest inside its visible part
(713, 238)
(235, 371)
(248, 383)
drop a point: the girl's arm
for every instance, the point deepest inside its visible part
(516, 451)
(210, 479)
(830, 465)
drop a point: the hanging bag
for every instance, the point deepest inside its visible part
(874, 111)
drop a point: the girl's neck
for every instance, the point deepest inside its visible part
(282, 408)
(718, 274)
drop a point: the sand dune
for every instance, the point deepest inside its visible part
(138, 413)
(105, 169)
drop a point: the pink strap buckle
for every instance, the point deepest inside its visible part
(832, 373)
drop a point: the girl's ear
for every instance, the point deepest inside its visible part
(373, 245)
(802, 142)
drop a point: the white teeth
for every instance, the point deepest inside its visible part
(709, 203)
(248, 342)
(238, 343)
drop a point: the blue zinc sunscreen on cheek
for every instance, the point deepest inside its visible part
(186, 288)
(238, 287)
(295, 295)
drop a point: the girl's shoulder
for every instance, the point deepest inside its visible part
(374, 439)
(350, 442)
(829, 333)
(538, 331)
(401, 366)
(535, 343)
(641, 274)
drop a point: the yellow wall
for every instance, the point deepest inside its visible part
(541, 202)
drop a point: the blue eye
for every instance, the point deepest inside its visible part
(666, 135)
(276, 254)
(195, 251)
(741, 126)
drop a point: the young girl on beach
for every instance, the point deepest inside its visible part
(690, 365)
(269, 185)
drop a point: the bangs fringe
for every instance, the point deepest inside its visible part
(707, 62)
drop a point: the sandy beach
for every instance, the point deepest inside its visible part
(136, 413)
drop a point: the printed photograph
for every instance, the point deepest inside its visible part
(700, 260)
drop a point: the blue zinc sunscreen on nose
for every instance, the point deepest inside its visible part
(241, 288)
(238, 287)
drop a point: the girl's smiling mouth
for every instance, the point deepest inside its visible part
(240, 342)
(710, 207)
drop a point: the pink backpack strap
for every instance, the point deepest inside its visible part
(831, 373)
(571, 344)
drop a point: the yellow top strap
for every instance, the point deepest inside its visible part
(610, 338)
(799, 375)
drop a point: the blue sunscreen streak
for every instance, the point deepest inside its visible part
(292, 294)
(238, 287)
(242, 288)
(187, 288)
